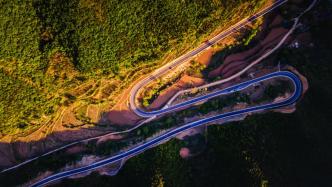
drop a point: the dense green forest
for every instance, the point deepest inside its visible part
(50, 46)
(264, 150)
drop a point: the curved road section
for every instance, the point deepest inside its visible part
(168, 67)
(164, 70)
(172, 133)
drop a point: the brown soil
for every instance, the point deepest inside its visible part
(121, 114)
(233, 68)
(241, 55)
(93, 113)
(209, 55)
(303, 79)
(110, 137)
(286, 110)
(123, 117)
(75, 149)
(184, 152)
(275, 34)
(234, 62)
(206, 56)
(184, 83)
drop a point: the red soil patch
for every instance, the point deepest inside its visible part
(303, 78)
(274, 34)
(232, 70)
(93, 113)
(75, 134)
(208, 56)
(234, 62)
(121, 114)
(205, 57)
(241, 55)
(108, 138)
(123, 117)
(185, 82)
(75, 149)
(184, 152)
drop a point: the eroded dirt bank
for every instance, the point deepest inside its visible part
(233, 63)
(185, 82)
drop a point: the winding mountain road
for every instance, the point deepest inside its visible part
(158, 73)
(298, 88)
(172, 133)
(169, 66)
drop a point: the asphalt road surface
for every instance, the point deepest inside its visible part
(172, 133)
(168, 67)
